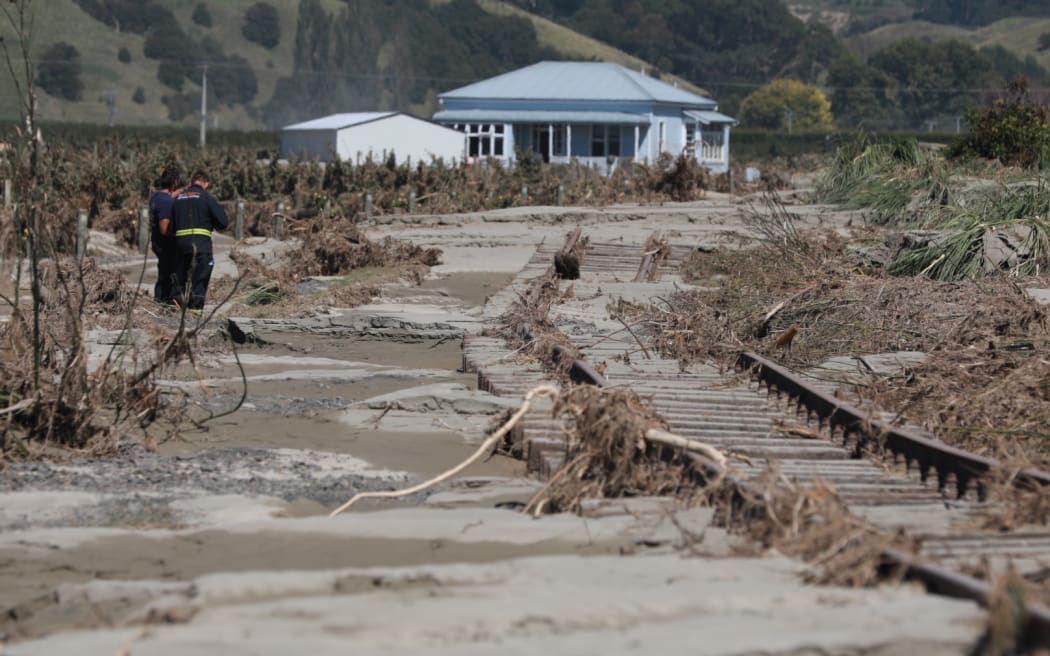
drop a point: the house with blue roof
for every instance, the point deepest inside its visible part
(597, 113)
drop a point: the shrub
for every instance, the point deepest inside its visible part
(59, 72)
(1014, 130)
(201, 15)
(139, 97)
(124, 55)
(171, 74)
(262, 25)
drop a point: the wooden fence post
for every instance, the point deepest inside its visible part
(82, 232)
(278, 221)
(144, 228)
(238, 220)
(9, 196)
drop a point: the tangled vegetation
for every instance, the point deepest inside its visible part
(895, 181)
(805, 296)
(115, 176)
(969, 228)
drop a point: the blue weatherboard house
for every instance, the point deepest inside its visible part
(593, 112)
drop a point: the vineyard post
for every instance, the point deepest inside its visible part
(143, 230)
(82, 232)
(238, 221)
(278, 221)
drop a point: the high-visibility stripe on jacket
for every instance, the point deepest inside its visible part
(195, 214)
(193, 231)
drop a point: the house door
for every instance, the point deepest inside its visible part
(541, 141)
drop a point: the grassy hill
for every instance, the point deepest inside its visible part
(104, 76)
(103, 73)
(891, 21)
(1019, 35)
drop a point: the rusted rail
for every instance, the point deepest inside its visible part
(928, 454)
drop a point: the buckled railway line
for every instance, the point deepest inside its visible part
(932, 491)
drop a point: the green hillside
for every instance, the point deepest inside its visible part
(110, 85)
(103, 73)
(1019, 35)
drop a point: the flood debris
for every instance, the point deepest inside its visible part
(805, 296)
(328, 247)
(618, 447)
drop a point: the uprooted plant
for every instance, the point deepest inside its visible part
(896, 182)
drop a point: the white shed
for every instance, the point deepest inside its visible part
(360, 136)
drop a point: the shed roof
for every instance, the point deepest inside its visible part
(340, 121)
(538, 116)
(551, 80)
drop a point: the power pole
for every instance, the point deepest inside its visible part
(204, 107)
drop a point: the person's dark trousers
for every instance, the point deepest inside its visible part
(195, 274)
(166, 289)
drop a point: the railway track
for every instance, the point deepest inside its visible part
(933, 492)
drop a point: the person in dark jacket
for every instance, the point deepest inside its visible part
(162, 236)
(195, 214)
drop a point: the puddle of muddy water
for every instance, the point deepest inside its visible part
(472, 288)
(423, 453)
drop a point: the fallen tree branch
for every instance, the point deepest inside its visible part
(670, 439)
(488, 444)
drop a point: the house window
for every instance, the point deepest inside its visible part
(605, 140)
(483, 139)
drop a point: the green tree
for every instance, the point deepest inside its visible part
(59, 72)
(786, 104)
(934, 79)
(859, 93)
(201, 15)
(262, 25)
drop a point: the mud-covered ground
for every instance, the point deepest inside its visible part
(216, 540)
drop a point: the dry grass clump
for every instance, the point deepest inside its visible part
(992, 401)
(897, 181)
(327, 247)
(811, 523)
(331, 247)
(525, 324)
(608, 455)
(53, 396)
